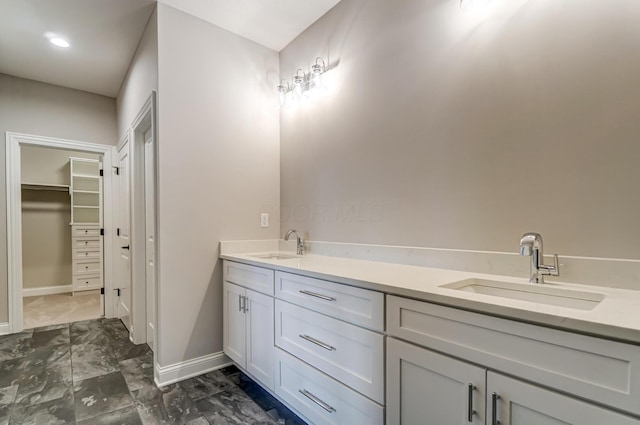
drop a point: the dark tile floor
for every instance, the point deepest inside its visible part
(90, 373)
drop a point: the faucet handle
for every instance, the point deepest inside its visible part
(551, 270)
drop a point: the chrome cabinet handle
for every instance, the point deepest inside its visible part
(240, 302)
(317, 401)
(313, 294)
(244, 304)
(317, 342)
(494, 409)
(470, 411)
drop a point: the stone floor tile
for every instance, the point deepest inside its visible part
(11, 371)
(115, 329)
(42, 387)
(15, 346)
(138, 372)
(8, 395)
(101, 395)
(127, 416)
(90, 360)
(51, 327)
(206, 385)
(124, 349)
(233, 407)
(57, 357)
(50, 338)
(54, 412)
(166, 405)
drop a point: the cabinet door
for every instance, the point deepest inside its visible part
(260, 329)
(233, 333)
(518, 403)
(424, 387)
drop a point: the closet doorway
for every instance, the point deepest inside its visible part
(62, 264)
(58, 203)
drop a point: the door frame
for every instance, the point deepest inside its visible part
(14, 141)
(144, 121)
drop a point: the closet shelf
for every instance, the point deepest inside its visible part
(86, 206)
(97, 192)
(84, 176)
(39, 186)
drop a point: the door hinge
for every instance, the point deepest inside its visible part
(101, 232)
(101, 173)
(117, 169)
(118, 232)
(101, 291)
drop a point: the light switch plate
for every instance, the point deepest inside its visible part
(264, 219)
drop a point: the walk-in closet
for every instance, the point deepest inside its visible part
(62, 252)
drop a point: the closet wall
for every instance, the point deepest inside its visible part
(46, 214)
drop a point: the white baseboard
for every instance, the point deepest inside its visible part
(46, 290)
(4, 328)
(188, 369)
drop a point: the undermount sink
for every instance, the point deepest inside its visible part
(274, 256)
(542, 294)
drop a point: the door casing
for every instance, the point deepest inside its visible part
(14, 141)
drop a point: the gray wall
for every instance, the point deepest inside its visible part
(218, 169)
(141, 78)
(42, 109)
(446, 128)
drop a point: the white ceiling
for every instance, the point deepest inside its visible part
(105, 33)
(272, 23)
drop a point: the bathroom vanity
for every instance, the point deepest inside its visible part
(344, 341)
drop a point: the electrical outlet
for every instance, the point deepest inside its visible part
(264, 219)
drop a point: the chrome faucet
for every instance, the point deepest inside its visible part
(299, 241)
(531, 244)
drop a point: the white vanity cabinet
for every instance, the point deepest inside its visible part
(519, 403)
(248, 325)
(330, 350)
(427, 387)
(601, 376)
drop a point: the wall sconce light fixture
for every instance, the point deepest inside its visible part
(305, 85)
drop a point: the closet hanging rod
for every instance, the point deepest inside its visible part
(39, 186)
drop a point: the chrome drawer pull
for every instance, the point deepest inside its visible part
(470, 411)
(322, 297)
(317, 401)
(494, 408)
(318, 343)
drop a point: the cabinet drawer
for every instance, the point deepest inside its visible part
(80, 254)
(251, 277)
(85, 243)
(87, 283)
(354, 305)
(322, 400)
(79, 231)
(604, 371)
(86, 267)
(346, 352)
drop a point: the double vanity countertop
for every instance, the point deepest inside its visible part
(616, 316)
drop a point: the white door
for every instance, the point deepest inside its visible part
(123, 238)
(517, 403)
(424, 387)
(150, 234)
(233, 332)
(259, 323)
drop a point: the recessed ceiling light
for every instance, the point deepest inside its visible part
(60, 42)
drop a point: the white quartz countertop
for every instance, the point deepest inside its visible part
(616, 317)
